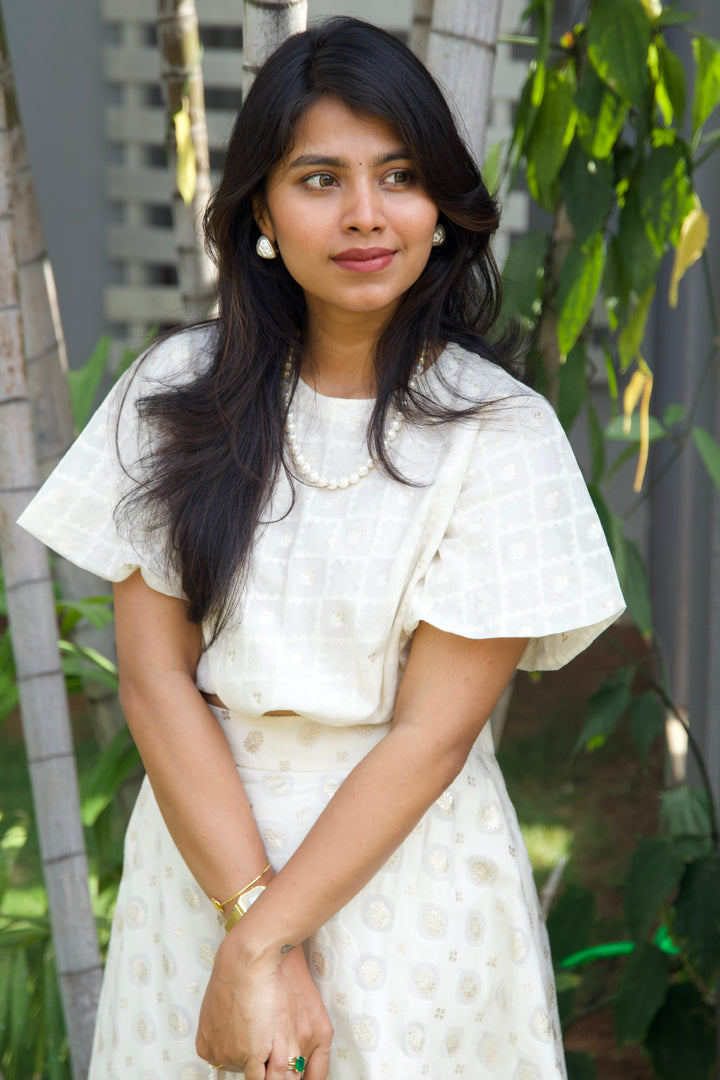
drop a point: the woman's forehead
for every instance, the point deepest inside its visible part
(330, 129)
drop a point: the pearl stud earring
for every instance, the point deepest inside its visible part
(265, 249)
(438, 235)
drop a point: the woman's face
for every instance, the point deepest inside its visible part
(347, 213)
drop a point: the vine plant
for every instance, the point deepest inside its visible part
(600, 140)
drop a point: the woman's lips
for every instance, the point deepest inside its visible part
(364, 260)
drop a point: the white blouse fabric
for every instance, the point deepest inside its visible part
(440, 966)
(499, 539)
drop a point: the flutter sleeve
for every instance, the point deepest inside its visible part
(74, 511)
(523, 554)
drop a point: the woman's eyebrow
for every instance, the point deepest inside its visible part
(315, 160)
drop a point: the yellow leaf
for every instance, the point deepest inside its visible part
(186, 172)
(653, 8)
(644, 433)
(693, 238)
(633, 393)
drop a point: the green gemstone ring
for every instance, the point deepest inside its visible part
(296, 1064)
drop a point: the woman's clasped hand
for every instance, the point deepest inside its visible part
(259, 1015)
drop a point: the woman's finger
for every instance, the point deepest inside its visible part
(318, 1064)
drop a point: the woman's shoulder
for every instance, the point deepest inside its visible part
(507, 404)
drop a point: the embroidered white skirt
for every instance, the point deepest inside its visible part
(438, 968)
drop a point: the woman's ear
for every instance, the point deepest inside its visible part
(262, 218)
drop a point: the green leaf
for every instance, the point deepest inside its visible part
(522, 276)
(618, 38)
(601, 115)
(84, 382)
(616, 291)
(56, 1054)
(707, 80)
(709, 452)
(615, 429)
(98, 786)
(632, 334)
(672, 74)
(647, 721)
(586, 185)
(605, 708)
(573, 386)
(674, 414)
(19, 1001)
(611, 376)
(641, 992)
(580, 1066)
(636, 588)
(85, 663)
(681, 1040)
(95, 609)
(655, 870)
(525, 116)
(597, 444)
(550, 138)
(697, 916)
(663, 188)
(491, 166)
(570, 922)
(639, 257)
(580, 279)
(685, 811)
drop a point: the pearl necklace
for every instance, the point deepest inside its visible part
(304, 467)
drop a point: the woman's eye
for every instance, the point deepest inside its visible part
(319, 180)
(399, 177)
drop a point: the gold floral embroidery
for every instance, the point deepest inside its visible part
(365, 1033)
(179, 1023)
(435, 921)
(253, 741)
(483, 871)
(425, 981)
(415, 1040)
(309, 733)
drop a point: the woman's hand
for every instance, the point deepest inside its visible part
(257, 1014)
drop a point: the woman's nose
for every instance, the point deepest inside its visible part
(364, 209)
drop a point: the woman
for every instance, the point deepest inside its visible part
(338, 525)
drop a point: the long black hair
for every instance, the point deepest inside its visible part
(220, 438)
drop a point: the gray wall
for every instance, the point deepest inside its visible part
(55, 50)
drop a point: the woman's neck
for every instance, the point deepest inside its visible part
(337, 357)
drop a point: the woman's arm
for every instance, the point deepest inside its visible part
(206, 810)
(448, 691)
(184, 750)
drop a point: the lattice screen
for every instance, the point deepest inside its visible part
(142, 293)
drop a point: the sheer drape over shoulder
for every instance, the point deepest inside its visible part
(498, 538)
(73, 513)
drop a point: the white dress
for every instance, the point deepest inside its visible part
(439, 967)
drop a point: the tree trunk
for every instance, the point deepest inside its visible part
(461, 54)
(46, 375)
(266, 24)
(31, 611)
(420, 29)
(182, 81)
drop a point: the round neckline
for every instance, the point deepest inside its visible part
(331, 397)
(306, 397)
